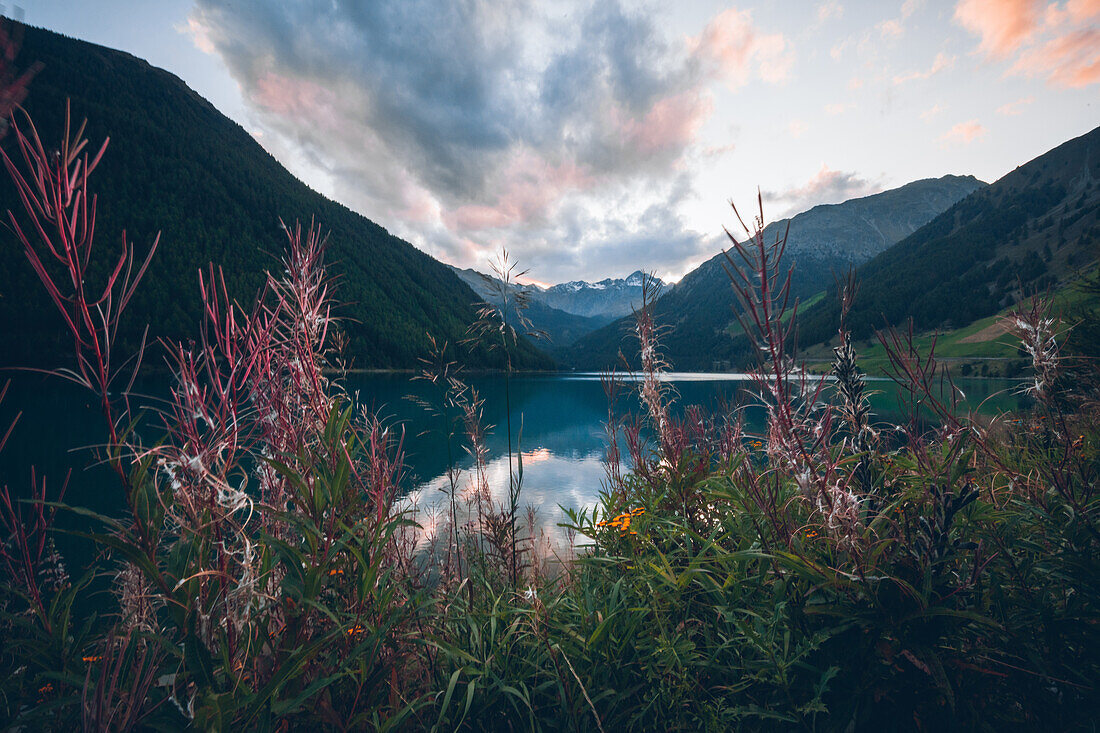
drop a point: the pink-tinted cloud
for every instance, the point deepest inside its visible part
(1074, 11)
(198, 34)
(894, 28)
(717, 151)
(1056, 41)
(733, 49)
(670, 124)
(1070, 60)
(1004, 25)
(909, 7)
(420, 206)
(467, 126)
(928, 114)
(531, 187)
(288, 95)
(829, 9)
(827, 186)
(891, 28)
(963, 133)
(942, 62)
(1014, 108)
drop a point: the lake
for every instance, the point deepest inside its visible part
(562, 418)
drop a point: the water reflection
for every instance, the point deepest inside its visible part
(557, 424)
(558, 421)
(549, 480)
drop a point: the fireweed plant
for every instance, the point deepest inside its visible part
(255, 571)
(830, 573)
(497, 320)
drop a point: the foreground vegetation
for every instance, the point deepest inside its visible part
(832, 573)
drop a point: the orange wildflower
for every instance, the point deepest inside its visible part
(622, 521)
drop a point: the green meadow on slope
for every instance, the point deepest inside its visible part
(1036, 228)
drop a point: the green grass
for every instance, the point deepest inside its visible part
(995, 356)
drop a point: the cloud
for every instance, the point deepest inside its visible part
(928, 114)
(942, 62)
(835, 109)
(909, 7)
(963, 133)
(465, 127)
(827, 186)
(829, 9)
(894, 28)
(717, 151)
(1058, 42)
(797, 128)
(1014, 108)
(732, 48)
(1069, 60)
(891, 29)
(198, 35)
(1004, 25)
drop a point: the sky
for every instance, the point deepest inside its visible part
(593, 139)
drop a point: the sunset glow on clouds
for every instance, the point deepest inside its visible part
(579, 135)
(1058, 42)
(964, 132)
(595, 137)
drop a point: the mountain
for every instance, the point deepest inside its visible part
(607, 299)
(1035, 227)
(561, 328)
(568, 311)
(177, 165)
(698, 312)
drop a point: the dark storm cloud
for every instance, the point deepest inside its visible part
(466, 126)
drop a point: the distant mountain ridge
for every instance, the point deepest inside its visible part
(177, 165)
(568, 311)
(1031, 229)
(561, 328)
(607, 299)
(858, 229)
(697, 312)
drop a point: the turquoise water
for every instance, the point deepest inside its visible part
(562, 439)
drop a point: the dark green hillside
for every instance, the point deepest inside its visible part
(177, 165)
(1029, 230)
(698, 311)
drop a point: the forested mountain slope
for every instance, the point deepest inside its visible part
(177, 165)
(697, 312)
(1031, 229)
